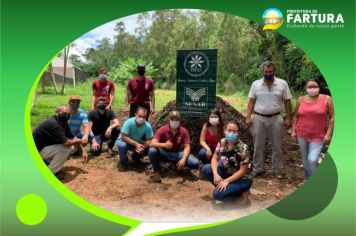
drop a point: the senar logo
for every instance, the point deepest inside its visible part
(272, 18)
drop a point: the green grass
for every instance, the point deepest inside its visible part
(47, 102)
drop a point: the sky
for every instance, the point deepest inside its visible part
(90, 39)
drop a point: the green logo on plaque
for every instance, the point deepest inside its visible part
(196, 81)
(196, 63)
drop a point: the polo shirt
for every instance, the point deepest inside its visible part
(140, 90)
(135, 132)
(178, 139)
(76, 120)
(269, 100)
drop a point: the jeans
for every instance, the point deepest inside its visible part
(124, 148)
(233, 189)
(310, 155)
(100, 138)
(203, 157)
(158, 154)
(80, 135)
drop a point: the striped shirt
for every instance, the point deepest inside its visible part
(76, 120)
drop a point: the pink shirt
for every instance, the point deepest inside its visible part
(312, 121)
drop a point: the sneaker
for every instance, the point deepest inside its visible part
(122, 167)
(156, 177)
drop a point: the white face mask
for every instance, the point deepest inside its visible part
(174, 124)
(214, 121)
(140, 120)
(102, 76)
(313, 91)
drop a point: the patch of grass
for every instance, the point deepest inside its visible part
(47, 102)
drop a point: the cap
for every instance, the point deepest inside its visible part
(174, 114)
(74, 98)
(141, 66)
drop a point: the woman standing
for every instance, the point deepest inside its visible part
(228, 170)
(313, 125)
(210, 135)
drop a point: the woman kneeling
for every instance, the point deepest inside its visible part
(229, 166)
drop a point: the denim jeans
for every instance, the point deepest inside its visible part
(233, 189)
(203, 157)
(100, 138)
(124, 148)
(158, 154)
(310, 155)
(80, 135)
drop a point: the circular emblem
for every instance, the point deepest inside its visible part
(196, 64)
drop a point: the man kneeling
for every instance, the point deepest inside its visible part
(136, 136)
(54, 140)
(167, 145)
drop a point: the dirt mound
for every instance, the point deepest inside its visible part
(195, 124)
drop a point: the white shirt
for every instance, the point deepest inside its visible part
(269, 100)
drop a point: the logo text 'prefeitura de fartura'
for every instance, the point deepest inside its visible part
(312, 16)
(272, 19)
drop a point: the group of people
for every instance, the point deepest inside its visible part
(225, 158)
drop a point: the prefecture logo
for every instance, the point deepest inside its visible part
(196, 64)
(272, 18)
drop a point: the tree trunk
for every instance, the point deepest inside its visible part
(34, 97)
(53, 78)
(66, 51)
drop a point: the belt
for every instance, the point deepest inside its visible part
(266, 115)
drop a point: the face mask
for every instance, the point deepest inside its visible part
(231, 137)
(102, 76)
(214, 121)
(174, 124)
(101, 106)
(269, 77)
(141, 72)
(140, 120)
(74, 106)
(63, 118)
(313, 91)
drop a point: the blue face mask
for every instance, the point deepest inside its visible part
(231, 137)
(269, 77)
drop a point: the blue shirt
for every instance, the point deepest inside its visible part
(135, 132)
(76, 120)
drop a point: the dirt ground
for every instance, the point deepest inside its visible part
(179, 198)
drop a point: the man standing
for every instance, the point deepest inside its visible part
(171, 143)
(54, 140)
(78, 120)
(266, 98)
(136, 136)
(102, 87)
(140, 93)
(104, 125)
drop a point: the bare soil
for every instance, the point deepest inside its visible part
(179, 198)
